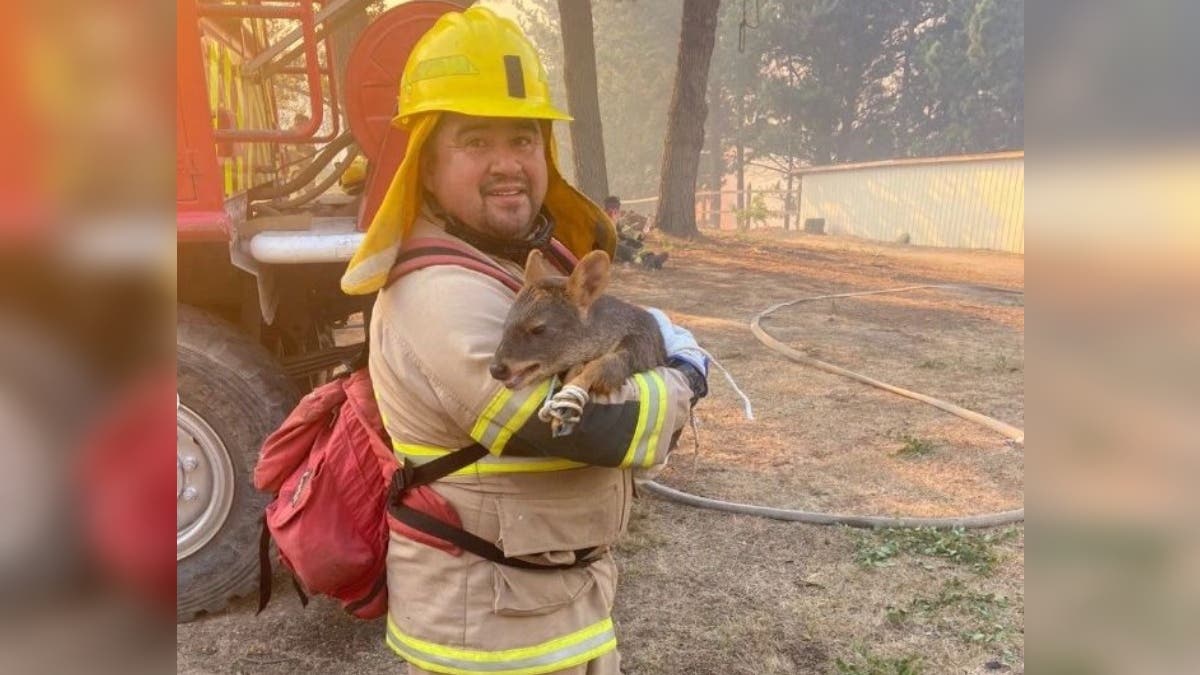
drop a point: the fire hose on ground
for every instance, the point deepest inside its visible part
(867, 521)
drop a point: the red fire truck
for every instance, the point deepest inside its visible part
(263, 237)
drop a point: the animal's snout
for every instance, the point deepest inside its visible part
(499, 371)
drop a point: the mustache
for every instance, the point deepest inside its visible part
(505, 183)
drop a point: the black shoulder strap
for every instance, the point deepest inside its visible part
(408, 477)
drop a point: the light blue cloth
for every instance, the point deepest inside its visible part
(680, 342)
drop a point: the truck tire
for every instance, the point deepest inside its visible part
(232, 393)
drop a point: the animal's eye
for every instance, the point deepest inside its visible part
(538, 329)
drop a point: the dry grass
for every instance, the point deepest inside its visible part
(705, 592)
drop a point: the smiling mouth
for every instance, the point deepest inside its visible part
(505, 191)
(517, 379)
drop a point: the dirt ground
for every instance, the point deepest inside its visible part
(709, 592)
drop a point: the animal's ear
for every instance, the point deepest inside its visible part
(589, 279)
(536, 268)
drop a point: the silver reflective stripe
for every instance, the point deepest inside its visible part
(554, 655)
(649, 426)
(506, 413)
(495, 425)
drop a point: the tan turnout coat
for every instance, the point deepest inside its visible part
(433, 333)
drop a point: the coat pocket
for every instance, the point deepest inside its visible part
(533, 526)
(521, 592)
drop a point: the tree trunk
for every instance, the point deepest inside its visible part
(685, 119)
(579, 63)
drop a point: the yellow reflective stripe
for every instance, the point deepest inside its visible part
(660, 395)
(489, 411)
(639, 430)
(519, 465)
(419, 454)
(504, 415)
(557, 654)
(522, 415)
(418, 450)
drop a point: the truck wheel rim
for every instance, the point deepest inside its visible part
(204, 483)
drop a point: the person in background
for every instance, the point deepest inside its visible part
(631, 230)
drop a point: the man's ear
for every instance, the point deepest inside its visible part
(536, 268)
(589, 279)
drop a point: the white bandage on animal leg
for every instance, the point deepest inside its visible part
(570, 391)
(564, 408)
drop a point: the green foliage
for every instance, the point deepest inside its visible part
(815, 82)
(969, 548)
(636, 45)
(829, 81)
(915, 447)
(974, 617)
(968, 78)
(756, 212)
(866, 663)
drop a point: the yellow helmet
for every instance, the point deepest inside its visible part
(475, 63)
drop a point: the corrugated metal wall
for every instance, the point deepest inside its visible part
(962, 202)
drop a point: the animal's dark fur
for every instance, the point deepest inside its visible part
(566, 324)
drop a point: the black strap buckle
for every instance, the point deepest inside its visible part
(402, 479)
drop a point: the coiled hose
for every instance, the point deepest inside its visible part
(818, 518)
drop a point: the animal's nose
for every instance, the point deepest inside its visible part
(499, 371)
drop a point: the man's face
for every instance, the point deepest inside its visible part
(488, 172)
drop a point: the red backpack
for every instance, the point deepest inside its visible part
(339, 488)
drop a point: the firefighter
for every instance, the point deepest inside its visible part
(631, 229)
(480, 167)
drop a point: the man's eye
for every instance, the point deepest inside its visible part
(475, 143)
(538, 329)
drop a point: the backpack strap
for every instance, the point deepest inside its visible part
(408, 477)
(423, 252)
(562, 256)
